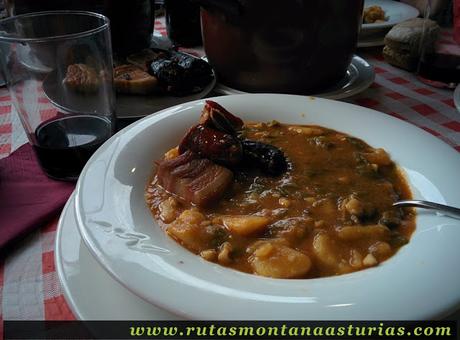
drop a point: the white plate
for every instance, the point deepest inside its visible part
(419, 282)
(395, 11)
(83, 281)
(360, 75)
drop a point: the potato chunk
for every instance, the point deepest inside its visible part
(360, 232)
(245, 224)
(168, 210)
(324, 207)
(307, 130)
(186, 234)
(356, 259)
(172, 153)
(191, 216)
(278, 261)
(354, 206)
(187, 230)
(209, 255)
(225, 251)
(379, 157)
(370, 260)
(324, 249)
(381, 250)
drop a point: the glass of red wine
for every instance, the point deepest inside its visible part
(439, 63)
(58, 69)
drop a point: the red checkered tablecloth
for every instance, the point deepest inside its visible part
(29, 286)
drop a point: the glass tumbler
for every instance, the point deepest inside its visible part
(58, 68)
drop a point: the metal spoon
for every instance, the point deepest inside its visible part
(445, 209)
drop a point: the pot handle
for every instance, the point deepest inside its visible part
(229, 7)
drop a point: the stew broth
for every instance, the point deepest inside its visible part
(329, 214)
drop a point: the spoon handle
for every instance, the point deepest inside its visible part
(446, 209)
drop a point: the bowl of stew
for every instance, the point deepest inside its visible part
(317, 240)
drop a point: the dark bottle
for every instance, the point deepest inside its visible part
(131, 22)
(64, 145)
(183, 22)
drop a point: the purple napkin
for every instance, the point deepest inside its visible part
(28, 198)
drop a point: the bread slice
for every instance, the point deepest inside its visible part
(406, 36)
(132, 79)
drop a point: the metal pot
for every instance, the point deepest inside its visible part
(294, 46)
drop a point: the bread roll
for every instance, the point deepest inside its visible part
(401, 59)
(405, 38)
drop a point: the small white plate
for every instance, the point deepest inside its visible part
(120, 232)
(395, 11)
(360, 75)
(83, 281)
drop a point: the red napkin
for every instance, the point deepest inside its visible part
(28, 198)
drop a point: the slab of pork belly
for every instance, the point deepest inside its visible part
(195, 180)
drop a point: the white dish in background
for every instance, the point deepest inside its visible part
(372, 35)
(120, 232)
(371, 43)
(83, 281)
(395, 11)
(372, 40)
(360, 75)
